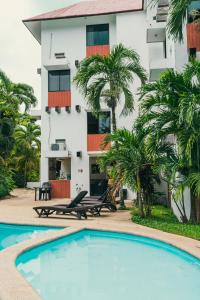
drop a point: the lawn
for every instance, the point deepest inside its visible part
(163, 219)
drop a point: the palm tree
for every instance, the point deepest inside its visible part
(177, 17)
(26, 153)
(171, 106)
(135, 163)
(106, 78)
(13, 95)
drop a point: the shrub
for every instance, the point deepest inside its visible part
(19, 180)
(6, 183)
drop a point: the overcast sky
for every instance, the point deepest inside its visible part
(19, 51)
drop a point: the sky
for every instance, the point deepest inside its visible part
(19, 51)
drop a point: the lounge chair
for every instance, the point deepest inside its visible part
(70, 209)
(96, 204)
(103, 200)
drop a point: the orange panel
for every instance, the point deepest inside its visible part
(60, 188)
(95, 142)
(60, 99)
(193, 36)
(102, 50)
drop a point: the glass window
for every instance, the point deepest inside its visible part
(100, 124)
(59, 80)
(104, 122)
(97, 34)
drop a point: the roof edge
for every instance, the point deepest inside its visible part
(84, 16)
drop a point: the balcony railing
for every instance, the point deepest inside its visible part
(60, 188)
(158, 66)
(59, 99)
(193, 36)
(95, 142)
(103, 50)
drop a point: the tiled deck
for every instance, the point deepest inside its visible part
(19, 210)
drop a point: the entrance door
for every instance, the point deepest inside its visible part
(98, 180)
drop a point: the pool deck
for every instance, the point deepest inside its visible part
(19, 210)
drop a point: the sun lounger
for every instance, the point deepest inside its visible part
(103, 200)
(46, 211)
(71, 209)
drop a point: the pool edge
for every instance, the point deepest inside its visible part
(14, 286)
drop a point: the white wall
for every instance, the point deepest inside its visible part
(187, 204)
(67, 36)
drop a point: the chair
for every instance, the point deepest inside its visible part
(45, 191)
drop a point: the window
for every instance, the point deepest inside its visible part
(100, 124)
(97, 35)
(59, 81)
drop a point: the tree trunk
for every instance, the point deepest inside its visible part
(114, 122)
(141, 207)
(25, 174)
(193, 213)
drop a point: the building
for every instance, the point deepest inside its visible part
(71, 136)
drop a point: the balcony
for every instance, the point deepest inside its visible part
(59, 99)
(58, 151)
(103, 50)
(159, 66)
(95, 142)
(193, 36)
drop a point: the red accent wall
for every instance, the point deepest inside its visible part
(193, 36)
(102, 50)
(60, 188)
(60, 99)
(95, 141)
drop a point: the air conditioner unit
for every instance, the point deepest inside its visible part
(58, 147)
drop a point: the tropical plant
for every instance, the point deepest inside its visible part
(178, 12)
(135, 162)
(13, 99)
(26, 153)
(104, 79)
(171, 108)
(15, 94)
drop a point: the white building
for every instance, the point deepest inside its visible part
(71, 136)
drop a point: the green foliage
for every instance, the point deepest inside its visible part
(6, 182)
(170, 108)
(26, 152)
(19, 179)
(134, 160)
(162, 218)
(106, 78)
(14, 149)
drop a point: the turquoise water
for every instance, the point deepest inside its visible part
(11, 234)
(95, 265)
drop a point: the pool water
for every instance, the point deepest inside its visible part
(11, 234)
(100, 265)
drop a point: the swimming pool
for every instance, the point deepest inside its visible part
(11, 234)
(104, 265)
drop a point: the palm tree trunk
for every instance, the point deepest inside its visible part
(141, 207)
(193, 213)
(25, 174)
(114, 122)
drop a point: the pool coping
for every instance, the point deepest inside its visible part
(14, 286)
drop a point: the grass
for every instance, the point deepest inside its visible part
(163, 219)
